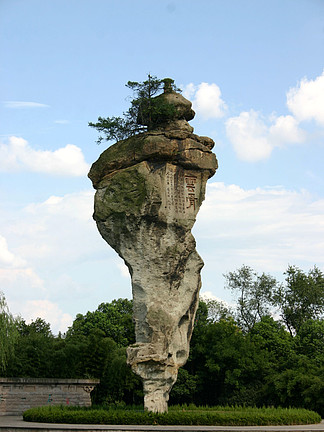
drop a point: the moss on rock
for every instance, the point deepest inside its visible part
(126, 194)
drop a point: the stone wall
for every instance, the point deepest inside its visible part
(20, 394)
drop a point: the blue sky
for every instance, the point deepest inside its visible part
(254, 72)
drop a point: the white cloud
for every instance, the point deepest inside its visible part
(20, 279)
(75, 206)
(69, 268)
(208, 295)
(66, 234)
(285, 130)
(17, 276)
(189, 90)
(254, 137)
(7, 258)
(248, 134)
(123, 269)
(59, 240)
(62, 122)
(206, 100)
(266, 228)
(55, 233)
(306, 100)
(15, 271)
(18, 155)
(48, 311)
(46, 252)
(22, 104)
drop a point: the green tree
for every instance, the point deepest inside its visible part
(144, 113)
(66, 357)
(114, 319)
(38, 326)
(33, 352)
(185, 389)
(310, 339)
(8, 334)
(300, 385)
(97, 354)
(254, 294)
(230, 369)
(309, 344)
(301, 298)
(271, 336)
(276, 347)
(118, 383)
(224, 365)
(217, 310)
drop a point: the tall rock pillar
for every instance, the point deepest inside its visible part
(149, 190)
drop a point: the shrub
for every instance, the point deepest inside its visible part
(179, 415)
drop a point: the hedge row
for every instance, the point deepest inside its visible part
(237, 416)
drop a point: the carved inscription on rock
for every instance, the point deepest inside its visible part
(182, 191)
(190, 188)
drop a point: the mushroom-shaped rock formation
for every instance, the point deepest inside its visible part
(149, 190)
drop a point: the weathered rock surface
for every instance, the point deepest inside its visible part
(149, 190)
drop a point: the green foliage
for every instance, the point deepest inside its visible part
(34, 346)
(181, 415)
(185, 388)
(217, 310)
(263, 364)
(271, 336)
(310, 339)
(8, 334)
(118, 383)
(92, 348)
(299, 385)
(144, 113)
(126, 194)
(114, 319)
(254, 294)
(302, 298)
(228, 364)
(39, 326)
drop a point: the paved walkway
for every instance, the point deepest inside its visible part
(16, 424)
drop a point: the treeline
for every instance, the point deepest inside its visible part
(267, 350)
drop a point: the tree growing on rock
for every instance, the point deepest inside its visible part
(143, 114)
